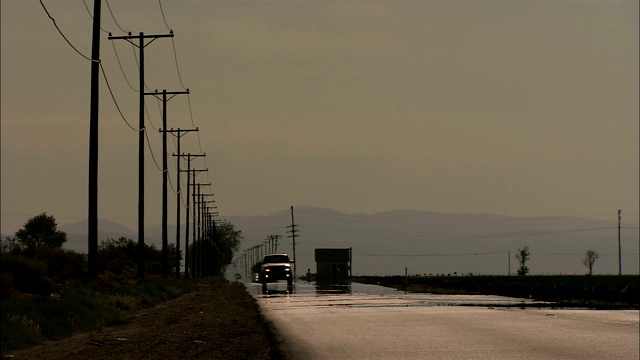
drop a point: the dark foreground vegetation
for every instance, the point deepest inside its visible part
(219, 320)
(117, 316)
(47, 294)
(597, 291)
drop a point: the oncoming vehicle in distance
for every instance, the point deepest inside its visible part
(276, 267)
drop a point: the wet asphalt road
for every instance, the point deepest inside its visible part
(372, 322)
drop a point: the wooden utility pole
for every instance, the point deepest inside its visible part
(619, 245)
(141, 133)
(92, 216)
(274, 243)
(211, 238)
(204, 234)
(165, 174)
(178, 195)
(186, 242)
(293, 237)
(197, 244)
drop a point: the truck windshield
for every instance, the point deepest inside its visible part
(276, 259)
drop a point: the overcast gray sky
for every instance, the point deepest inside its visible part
(505, 107)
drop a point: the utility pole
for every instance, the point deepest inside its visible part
(274, 242)
(205, 233)
(293, 236)
(215, 254)
(178, 196)
(619, 245)
(186, 243)
(197, 265)
(92, 216)
(141, 129)
(165, 175)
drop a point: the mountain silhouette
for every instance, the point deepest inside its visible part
(424, 242)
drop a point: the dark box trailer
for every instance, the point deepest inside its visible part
(333, 264)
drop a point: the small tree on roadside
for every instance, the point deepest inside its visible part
(8, 244)
(590, 258)
(41, 231)
(523, 255)
(228, 243)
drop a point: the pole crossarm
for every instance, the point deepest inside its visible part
(189, 155)
(156, 93)
(194, 171)
(130, 36)
(181, 133)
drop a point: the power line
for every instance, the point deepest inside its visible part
(62, 34)
(461, 234)
(133, 48)
(175, 56)
(146, 134)
(146, 112)
(190, 110)
(432, 255)
(194, 125)
(191, 117)
(91, 15)
(114, 99)
(163, 18)
(121, 69)
(630, 228)
(114, 18)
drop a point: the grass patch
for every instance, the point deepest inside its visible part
(85, 306)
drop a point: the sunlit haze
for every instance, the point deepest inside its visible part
(521, 108)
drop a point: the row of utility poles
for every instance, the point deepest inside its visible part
(247, 262)
(253, 255)
(204, 253)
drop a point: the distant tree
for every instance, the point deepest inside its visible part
(8, 244)
(228, 243)
(255, 268)
(590, 258)
(41, 231)
(523, 255)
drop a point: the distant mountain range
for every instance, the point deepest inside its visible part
(423, 242)
(435, 243)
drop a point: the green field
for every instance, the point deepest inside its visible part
(598, 291)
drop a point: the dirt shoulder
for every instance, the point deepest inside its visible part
(215, 322)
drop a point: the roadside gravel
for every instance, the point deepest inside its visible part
(219, 321)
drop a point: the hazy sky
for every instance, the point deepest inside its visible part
(504, 107)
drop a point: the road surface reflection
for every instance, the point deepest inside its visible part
(365, 295)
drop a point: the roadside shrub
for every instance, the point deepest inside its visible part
(29, 274)
(85, 306)
(121, 302)
(117, 256)
(18, 331)
(63, 264)
(7, 289)
(120, 257)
